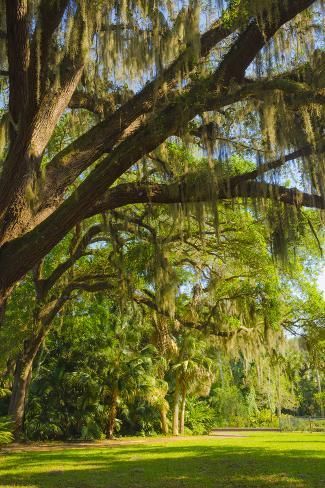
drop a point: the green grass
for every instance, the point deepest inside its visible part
(258, 460)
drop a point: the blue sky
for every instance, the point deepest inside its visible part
(321, 280)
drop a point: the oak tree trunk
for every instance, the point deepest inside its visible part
(21, 383)
(22, 378)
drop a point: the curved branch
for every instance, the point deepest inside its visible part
(51, 13)
(264, 168)
(46, 284)
(187, 192)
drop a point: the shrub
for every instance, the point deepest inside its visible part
(200, 418)
(6, 429)
(264, 418)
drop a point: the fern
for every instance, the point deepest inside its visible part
(6, 428)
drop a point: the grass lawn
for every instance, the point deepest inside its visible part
(258, 460)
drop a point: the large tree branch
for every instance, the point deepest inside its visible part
(187, 191)
(289, 196)
(49, 311)
(25, 155)
(296, 93)
(95, 233)
(51, 13)
(24, 159)
(142, 299)
(172, 118)
(18, 59)
(74, 159)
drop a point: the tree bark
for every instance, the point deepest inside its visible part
(24, 365)
(177, 398)
(3, 304)
(22, 379)
(112, 415)
(182, 419)
(164, 420)
(319, 387)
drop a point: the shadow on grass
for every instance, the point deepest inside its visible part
(298, 442)
(153, 466)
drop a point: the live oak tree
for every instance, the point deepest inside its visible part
(75, 267)
(148, 71)
(53, 285)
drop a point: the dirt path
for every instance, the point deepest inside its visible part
(58, 446)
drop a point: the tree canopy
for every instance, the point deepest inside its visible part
(237, 74)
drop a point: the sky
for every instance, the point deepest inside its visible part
(321, 279)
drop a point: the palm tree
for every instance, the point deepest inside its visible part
(130, 373)
(193, 374)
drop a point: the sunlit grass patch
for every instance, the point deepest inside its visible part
(276, 460)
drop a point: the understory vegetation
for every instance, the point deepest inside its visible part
(152, 328)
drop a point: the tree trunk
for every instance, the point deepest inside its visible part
(183, 405)
(176, 409)
(112, 416)
(279, 406)
(319, 385)
(163, 419)
(3, 303)
(22, 378)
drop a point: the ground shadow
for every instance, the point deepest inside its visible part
(171, 466)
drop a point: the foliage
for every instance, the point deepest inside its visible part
(200, 417)
(301, 424)
(186, 116)
(6, 428)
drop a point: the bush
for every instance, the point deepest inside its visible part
(200, 418)
(264, 418)
(301, 424)
(229, 406)
(6, 429)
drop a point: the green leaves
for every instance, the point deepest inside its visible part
(6, 429)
